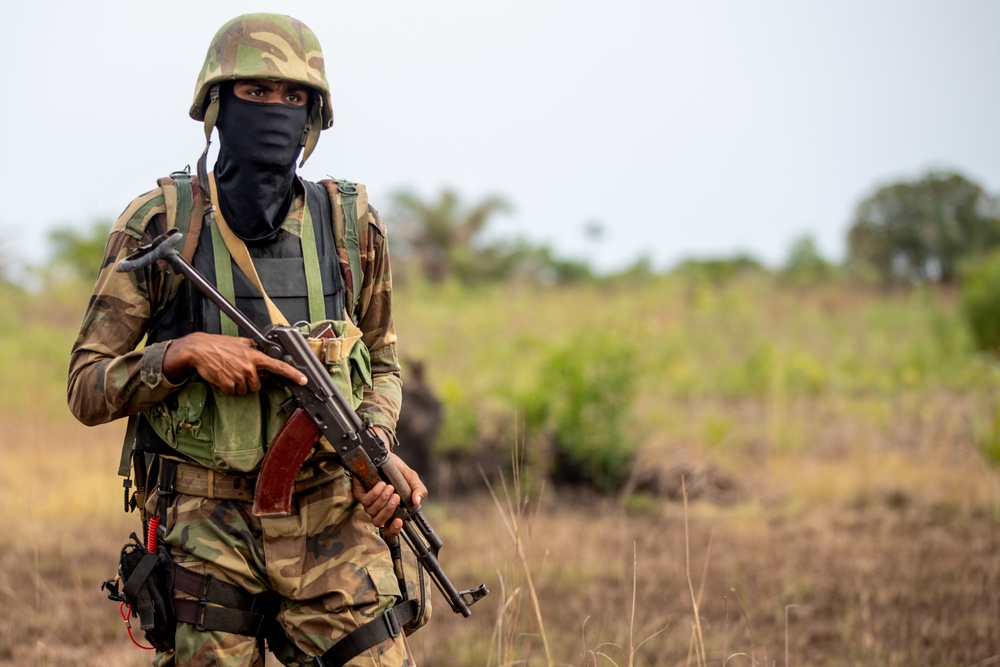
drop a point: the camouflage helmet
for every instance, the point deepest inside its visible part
(264, 46)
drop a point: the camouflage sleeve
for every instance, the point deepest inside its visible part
(382, 402)
(108, 377)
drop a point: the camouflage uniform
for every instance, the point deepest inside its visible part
(326, 561)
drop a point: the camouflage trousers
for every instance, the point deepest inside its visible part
(326, 561)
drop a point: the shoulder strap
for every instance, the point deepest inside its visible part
(241, 254)
(183, 211)
(348, 194)
(350, 205)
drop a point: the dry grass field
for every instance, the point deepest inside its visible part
(839, 507)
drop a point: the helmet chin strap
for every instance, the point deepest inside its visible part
(211, 115)
(313, 126)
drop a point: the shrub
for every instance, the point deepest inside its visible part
(980, 294)
(583, 403)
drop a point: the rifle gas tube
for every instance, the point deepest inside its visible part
(321, 410)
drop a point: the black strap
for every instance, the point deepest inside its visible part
(211, 589)
(135, 589)
(207, 617)
(139, 575)
(238, 612)
(386, 626)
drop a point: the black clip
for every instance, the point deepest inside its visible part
(391, 622)
(203, 602)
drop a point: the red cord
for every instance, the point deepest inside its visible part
(128, 626)
(154, 523)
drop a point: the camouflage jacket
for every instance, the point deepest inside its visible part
(111, 375)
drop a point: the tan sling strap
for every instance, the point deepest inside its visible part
(238, 249)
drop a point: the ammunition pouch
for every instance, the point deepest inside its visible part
(146, 582)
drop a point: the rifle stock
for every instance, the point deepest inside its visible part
(322, 406)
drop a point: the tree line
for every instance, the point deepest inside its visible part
(904, 233)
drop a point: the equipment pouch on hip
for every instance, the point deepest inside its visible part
(145, 582)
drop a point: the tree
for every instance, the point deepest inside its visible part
(445, 237)
(920, 231)
(804, 264)
(80, 252)
(718, 270)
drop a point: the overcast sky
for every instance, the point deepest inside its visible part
(683, 129)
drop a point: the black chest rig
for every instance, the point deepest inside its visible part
(300, 274)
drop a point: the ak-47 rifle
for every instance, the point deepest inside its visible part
(321, 410)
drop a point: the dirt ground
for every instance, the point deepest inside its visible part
(891, 583)
(882, 559)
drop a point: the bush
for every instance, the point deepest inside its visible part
(980, 294)
(583, 405)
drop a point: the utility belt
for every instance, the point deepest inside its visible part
(195, 480)
(149, 582)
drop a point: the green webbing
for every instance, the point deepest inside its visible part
(185, 200)
(349, 198)
(125, 463)
(310, 258)
(223, 277)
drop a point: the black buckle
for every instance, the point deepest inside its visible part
(203, 602)
(391, 622)
(166, 477)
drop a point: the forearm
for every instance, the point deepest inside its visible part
(104, 386)
(381, 402)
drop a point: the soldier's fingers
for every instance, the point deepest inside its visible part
(394, 528)
(419, 491)
(369, 497)
(417, 488)
(252, 380)
(266, 363)
(357, 490)
(385, 514)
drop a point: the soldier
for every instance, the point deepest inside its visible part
(203, 403)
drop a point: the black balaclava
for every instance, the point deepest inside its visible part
(255, 170)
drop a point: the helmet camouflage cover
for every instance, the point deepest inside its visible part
(264, 46)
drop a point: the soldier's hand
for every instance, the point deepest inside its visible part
(232, 364)
(380, 502)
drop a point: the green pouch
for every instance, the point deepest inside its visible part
(345, 356)
(217, 431)
(232, 432)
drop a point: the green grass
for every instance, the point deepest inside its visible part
(858, 426)
(746, 341)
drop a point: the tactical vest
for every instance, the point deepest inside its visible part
(302, 275)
